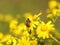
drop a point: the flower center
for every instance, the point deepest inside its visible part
(43, 28)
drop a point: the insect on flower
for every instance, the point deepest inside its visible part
(27, 22)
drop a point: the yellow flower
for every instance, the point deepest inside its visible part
(13, 24)
(23, 41)
(8, 42)
(1, 35)
(52, 4)
(8, 39)
(11, 41)
(44, 30)
(59, 6)
(32, 17)
(20, 29)
(32, 24)
(5, 38)
(28, 15)
(1, 44)
(54, 13)
(26, 34)
(33, 20)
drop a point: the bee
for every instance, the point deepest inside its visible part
(27, 22)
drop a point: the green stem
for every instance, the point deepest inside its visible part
(55, 39)
(54, 20)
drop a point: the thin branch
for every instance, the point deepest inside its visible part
(55, 39)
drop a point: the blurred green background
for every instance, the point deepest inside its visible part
(20, 7)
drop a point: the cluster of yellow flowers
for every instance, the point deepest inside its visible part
(32, 29)
(54, 10)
